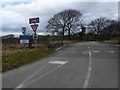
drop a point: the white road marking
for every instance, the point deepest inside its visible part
(88, 47)
(85, 85)
(117, 45)
(34, 74)
(31, 76)
(64, 45)
(58, 62)
(34, 80)
(95, 51)
(58, 49)
(85, 52)
(111, 51)
(91, 51)
(20, 86)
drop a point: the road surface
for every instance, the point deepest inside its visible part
(80, 65)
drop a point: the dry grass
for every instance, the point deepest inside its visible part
(111, 41)
(15, 58)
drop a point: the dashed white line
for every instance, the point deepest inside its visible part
(111, 51)
(58, 49)
(58, 62)
(31, 76)
(34, 74)
(117, 45)
(64, 45)
(85, 85)
(20, 86)
(34, 80)
(95, 51)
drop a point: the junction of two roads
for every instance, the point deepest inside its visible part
(80, 65)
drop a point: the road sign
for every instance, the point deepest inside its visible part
(23, 30)
(34, 20)
(34, 27)
(24, 39)
(35, 36)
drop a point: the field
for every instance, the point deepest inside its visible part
(113, 41)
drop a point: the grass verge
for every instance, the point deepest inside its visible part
(12, 59)
(21, 57)
(110, 41)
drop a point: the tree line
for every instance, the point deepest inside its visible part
(70, 23)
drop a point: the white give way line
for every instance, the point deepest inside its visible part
(28, 82)
(58, 62)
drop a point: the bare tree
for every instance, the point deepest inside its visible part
(64, 21)
(113, 30)
(97, 25)
(103, 28)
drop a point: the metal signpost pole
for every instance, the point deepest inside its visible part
(36, 43)
(35, 40)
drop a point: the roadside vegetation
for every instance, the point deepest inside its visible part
(15, 57)
(112, 41)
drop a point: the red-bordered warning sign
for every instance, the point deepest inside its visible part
(34, 27)
(33, 22)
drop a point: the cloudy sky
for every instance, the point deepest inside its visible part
(16, 13)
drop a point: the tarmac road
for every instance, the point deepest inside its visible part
(80, 65)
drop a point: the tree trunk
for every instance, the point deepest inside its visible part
(69, 35)
(62, 36)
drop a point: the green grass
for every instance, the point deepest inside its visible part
(17, 59)
(110, 41)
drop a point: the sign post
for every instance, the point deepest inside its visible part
(33, 23)
(24, 39)
(24, 30)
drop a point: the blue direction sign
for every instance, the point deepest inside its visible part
(24, 39)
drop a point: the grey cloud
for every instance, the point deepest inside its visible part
(15, 17)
